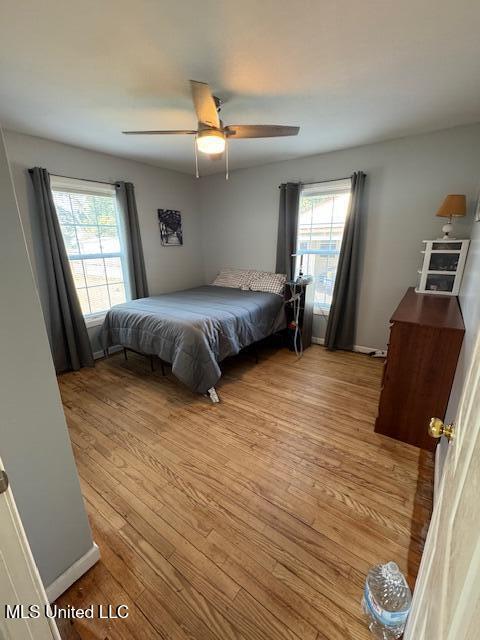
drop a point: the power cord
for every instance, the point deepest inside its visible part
(295, 299)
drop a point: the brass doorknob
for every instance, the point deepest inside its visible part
(437, 429)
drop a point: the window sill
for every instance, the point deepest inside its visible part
(94, 321)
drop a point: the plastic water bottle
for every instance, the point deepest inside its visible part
(386, 601)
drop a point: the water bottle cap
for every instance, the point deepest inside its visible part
(393, 567)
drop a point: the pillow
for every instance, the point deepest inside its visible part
(251, 275)
(268, 282)
(233, 278)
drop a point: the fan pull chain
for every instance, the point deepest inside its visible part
(226, 158)
(197, 175)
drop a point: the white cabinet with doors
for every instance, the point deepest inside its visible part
(443, 264)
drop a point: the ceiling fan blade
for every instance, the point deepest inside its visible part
(178, 132)
(260, 130)
(205, 106)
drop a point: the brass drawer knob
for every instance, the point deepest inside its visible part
(437, 428)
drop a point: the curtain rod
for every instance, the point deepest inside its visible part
(58, 175)
(322, 181)
(305, 184)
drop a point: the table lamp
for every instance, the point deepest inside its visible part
(454, 206)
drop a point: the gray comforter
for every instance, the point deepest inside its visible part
(194, 329)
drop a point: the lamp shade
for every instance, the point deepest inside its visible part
(454, 206)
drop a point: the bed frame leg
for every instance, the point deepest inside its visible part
(163, 367)
(105, 353)
(152, 363)
(125, 353)
(213, 395)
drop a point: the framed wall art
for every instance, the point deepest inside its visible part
(171, 233)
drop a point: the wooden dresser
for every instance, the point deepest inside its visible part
(426, 335)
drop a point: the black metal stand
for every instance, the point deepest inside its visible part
(150, 357)
(305, 316)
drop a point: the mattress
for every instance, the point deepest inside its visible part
(194, 329)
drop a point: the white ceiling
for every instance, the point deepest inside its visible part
(346, 72)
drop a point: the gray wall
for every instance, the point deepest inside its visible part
(34, 444)
(168, 268)
(234, 223)
(407, 180)
(470, 304)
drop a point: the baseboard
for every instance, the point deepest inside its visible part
(73, 573)
(100, 354)
(357, 348)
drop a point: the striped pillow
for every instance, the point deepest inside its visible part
(233, 278)
(268, 282)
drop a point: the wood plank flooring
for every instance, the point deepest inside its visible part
(253, 519)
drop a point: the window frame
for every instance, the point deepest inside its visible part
(62, 184)
(326, 188)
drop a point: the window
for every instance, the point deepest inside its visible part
(94, 240)
(323, 210)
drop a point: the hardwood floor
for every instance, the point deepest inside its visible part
(253, 519)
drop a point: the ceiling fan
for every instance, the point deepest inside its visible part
(212, 136)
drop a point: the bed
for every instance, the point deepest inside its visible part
(195, 329)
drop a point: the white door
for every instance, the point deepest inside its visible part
(20, 581)
(446, 602)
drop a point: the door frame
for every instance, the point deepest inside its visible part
(23, 584)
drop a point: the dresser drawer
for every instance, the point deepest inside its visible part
(418, 373)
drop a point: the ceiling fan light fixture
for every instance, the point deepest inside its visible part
(211, 141)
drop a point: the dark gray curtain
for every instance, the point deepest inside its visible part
(287, 244)
(287, 228)
(138, 276)
(66, 329)
(340, 332)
